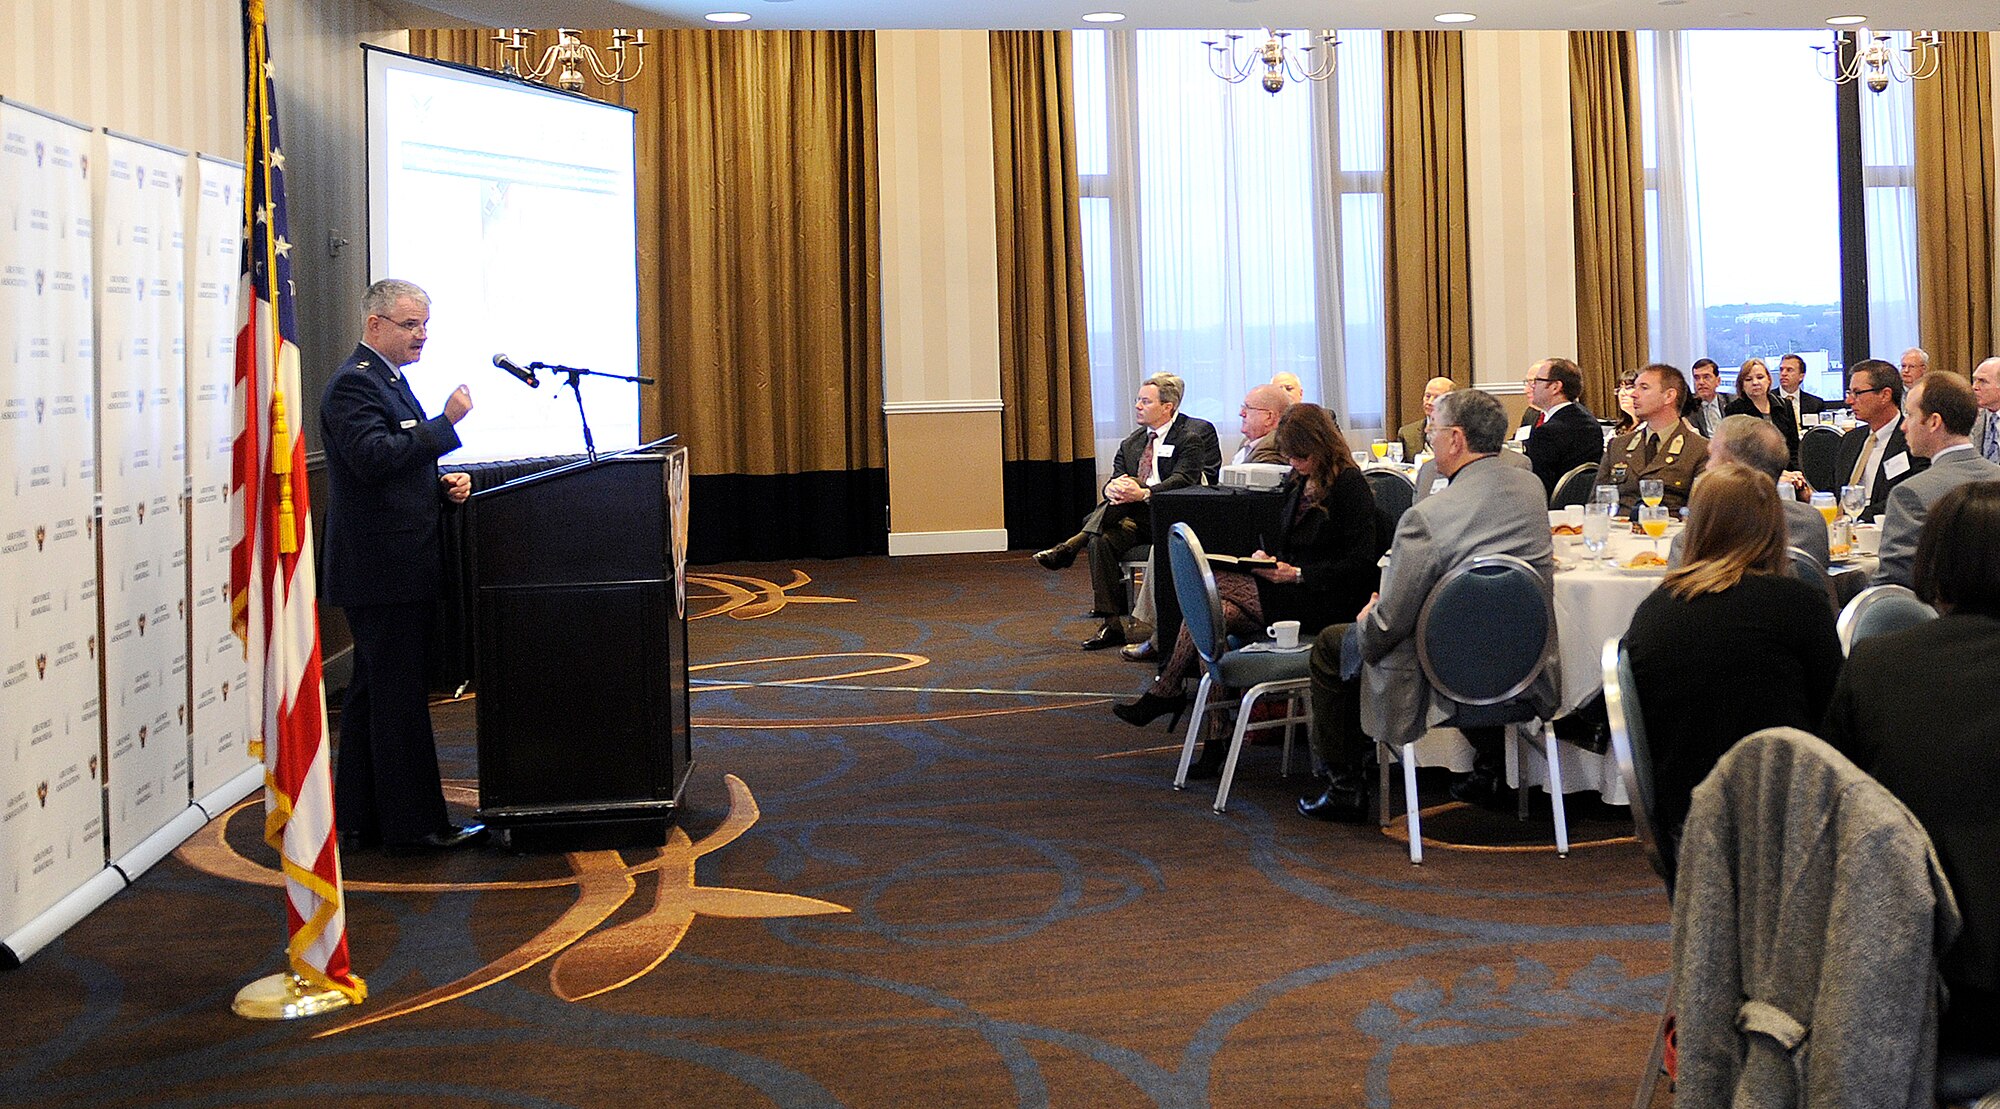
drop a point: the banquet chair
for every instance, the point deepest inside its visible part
(1258, 673)
(1807, 569)
(1878, 609)
(1485, 633)
(1635, 770)
(1574, 487)
(1819, 451)
(1394, 493)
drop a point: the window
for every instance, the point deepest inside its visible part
(1229, 233)
(1743, 210)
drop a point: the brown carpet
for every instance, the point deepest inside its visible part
(1033, 916)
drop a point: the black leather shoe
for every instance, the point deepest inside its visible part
(1058, 557)
(1486, 791)
(1110, 635)
(1142, 651)
(463, 835)
(1148, 708)
(1340, 804)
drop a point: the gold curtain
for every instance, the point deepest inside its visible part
(1426, 245)
(1610, 180)
(1955, 205)
(1046, 430)
(759, 277)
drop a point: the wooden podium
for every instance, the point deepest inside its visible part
(580, 661)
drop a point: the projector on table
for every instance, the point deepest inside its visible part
(1255, 475)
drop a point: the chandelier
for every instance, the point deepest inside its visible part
(1868, 57)
(570, 54)
(1274, 58)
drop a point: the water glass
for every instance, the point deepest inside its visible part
(1396, 451)
(1596, 529)
(1605, 494)
(1853, 499)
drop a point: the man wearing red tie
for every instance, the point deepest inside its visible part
(1167, 451)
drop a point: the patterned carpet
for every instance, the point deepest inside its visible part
(921, 865)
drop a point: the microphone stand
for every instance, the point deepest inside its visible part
(573, 373)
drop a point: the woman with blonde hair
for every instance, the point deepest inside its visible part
(1731, 642)
(1754, 398)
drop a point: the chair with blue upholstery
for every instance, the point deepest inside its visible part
(1819, 453)
(1394, 493)
(1258, 673)
(1574, 487)
(1485, 634)
(1635, 769)
(1807, 569)
(1879, 609)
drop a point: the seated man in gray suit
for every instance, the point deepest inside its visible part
(1761, 446)
(1488, 508)
(1167, 451)
(1937, 423)
(1986, 390)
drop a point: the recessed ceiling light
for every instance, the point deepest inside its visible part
(1455, 17)
(1104, 17)
(1672, 3)
(1845, 20)
(728, 17)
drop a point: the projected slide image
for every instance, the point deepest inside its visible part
(513, 207)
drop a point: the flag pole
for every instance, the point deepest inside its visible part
(271, 587)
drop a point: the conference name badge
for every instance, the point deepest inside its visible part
(1896, 465)
(1163, 450)
(408, 424)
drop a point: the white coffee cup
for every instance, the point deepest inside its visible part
(1285, 632)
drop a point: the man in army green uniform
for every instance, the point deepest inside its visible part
(1663, 446)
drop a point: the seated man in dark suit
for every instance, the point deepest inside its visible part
(1566, 435)
(1167, 451)
(1875, 454)
(1791, 386)
(1703, 404)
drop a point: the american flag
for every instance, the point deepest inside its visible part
(272, 593)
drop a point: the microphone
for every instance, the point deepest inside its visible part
(525, 375)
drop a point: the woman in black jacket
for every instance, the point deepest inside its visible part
(1753, 398)
(1326, 558)
(1731, 642)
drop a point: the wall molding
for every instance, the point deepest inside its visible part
(917, 407)
(947, 542)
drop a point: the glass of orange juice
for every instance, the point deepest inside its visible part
(1653, 521)
(1380, 448)
(1824, 504)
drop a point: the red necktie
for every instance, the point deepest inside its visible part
(1540, 416)
(1146, 460)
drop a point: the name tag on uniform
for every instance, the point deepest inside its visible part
(1163, 450)
(408, 424)
(1438, 485)
(1896, 465)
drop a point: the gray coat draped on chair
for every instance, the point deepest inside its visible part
(1807, 921)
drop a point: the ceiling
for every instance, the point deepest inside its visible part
(1025, 14)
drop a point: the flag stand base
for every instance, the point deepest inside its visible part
(285, 996)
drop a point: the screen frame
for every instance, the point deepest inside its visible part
(376, 60)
